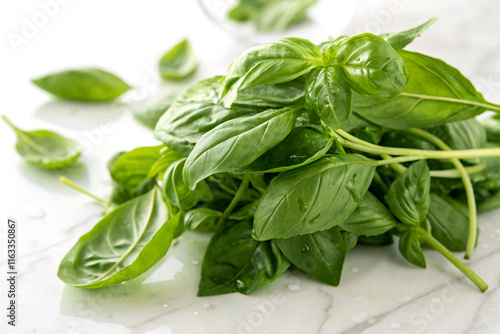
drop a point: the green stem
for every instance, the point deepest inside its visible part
(397, 167)
(478, 281)
(239, 193)
(391, 160)
(71, 184)
(469, 190)
(486, 105)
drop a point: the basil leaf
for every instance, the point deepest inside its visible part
(302, 146)
(436, 94)
(45, 148)
(449, 221)
(245, 212)
(410, 248)
(370, 218)
(329, 95)
(351, 239)
(235, 262)
(312, 198)
(320, 254)
(202, 219)
(271, 96)
(278, 15)
(123, 245)
(176, 191)
(492, 128)
(89, 84)
(150, 110)
(271, 63)
(363, 129)
(409, 195)
(179, 62)
(238, 142)
(371, 65)
(166, 159)
(195, 112)
(399, 40)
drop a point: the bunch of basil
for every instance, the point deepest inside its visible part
(297, 154)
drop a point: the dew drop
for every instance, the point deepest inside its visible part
(395, 325)
(302, 205)
(215, 100)
(306, 248)
(353, 189)
(33, 211)
(359, 317)
(165, 305)
(358, 59)
(315, 218)
(294, 287)
(240, 285)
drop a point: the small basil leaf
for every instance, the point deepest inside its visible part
(178, 63)
(150, 110)
(436, 94)
(238, 142)
(123, 245)
(398, 40)
(165, 160)
(278, 15)
(410, 248)
(312, 198)
(235, 262)
(370, 218)
(371, 65)
(351, 239)
(271, 63)
(177, 192)
(320, 254)
(45, 148)
(245, 212)
(329, 95)
(363, 129)
(202, 219)
(89, 84)
(409, 194)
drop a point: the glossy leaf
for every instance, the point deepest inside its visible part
(89, 84)
(408, 196)
(202, 219)
(235, 262)
(179, 62)
(436, 93)
(238, 143)
(150, 110)
(399, 40)
(410, 248)
(271, 96)
(45, 148)
(329, 95)
(371, 66)
(370, 218)
(168, 156)
(363, 129)
(312, 198)
(320, 254)
(123, 245)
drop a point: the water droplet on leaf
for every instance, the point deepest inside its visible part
(302, 205)
(240, 285)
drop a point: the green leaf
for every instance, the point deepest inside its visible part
(370, 218)
(247, 211)
(179, 62)
(399, 40)
(436, 94)
(235, 262)
(271, 63)
(313, 198)
(320, 254)
(371, 65)
(409, 246)
(449, 222)
(195, 112)
(150, 110)
(363, 129)
(167, 157)
(271, 96)
(377, 240)
(279, 15)
(351, 239)
(492, 127)
(238, 143)
(329, 95)
(301, 147)
(89, 84)
(202, 219)
(409, 194)
(177, 192)
(123, 245)
(45, 148)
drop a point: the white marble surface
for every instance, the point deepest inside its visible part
(379, 292)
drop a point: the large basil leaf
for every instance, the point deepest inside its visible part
(123, 245)
(179, 62)
(449, 222)
(329, 95)
(410, 248)
(312, 198)
(371, 65)
(302, 146)
(363, 129)
(195, 112)
(150, 110)
(271, 63)
(238, 142)
(89, 84)
(320, 254)
(271, 96)
(370, 218)
(235, 262)
(167, 157)
(436, 94)
(409, 195)
(398, 40)
(45, 148)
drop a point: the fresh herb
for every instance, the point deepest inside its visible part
(178, 63)
(150, 110)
